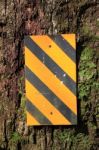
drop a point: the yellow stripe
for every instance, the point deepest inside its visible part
(31, 120)
(56, 54)
(44, 105)
(70, 38)
(48, 78)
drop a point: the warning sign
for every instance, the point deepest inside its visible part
(50, 69)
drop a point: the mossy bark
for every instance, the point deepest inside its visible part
(25, 17)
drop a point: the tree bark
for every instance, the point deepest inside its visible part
(26, 17)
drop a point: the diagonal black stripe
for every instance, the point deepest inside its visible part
(37, 114)
(65, 46)
(33, 79)
(35, 49)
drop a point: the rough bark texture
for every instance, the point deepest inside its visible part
(24, 17)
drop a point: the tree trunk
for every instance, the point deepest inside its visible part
(26, 17)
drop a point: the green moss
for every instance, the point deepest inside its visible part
(23, 102)
(23, 99)
(87, 73)
(88, 84)
(97, 22)
(81, 142)
(73, 140)
(86, 30)
(66, 136)
(23, 107)
(15, 137)
(20, 85)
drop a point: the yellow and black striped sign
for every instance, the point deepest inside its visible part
(50, 68)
